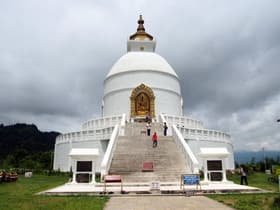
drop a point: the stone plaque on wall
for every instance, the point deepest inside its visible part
(84, 166)
(216, 176)
(214, 165)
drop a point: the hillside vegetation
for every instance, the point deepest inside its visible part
(24, 146)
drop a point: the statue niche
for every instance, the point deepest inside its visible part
(142, 102)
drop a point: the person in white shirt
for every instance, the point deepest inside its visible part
(243, 176)
(149, 126)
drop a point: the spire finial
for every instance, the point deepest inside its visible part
(140, 34)
(140, 24)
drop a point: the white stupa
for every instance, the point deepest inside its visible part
(141, 66)
(142, 84)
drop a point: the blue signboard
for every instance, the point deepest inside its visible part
(191, 179)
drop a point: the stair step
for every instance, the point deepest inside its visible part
(133, 149)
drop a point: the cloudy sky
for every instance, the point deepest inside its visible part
(54, 56)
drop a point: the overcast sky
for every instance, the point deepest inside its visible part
(54, 56)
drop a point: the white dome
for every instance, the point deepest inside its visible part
(134, 61)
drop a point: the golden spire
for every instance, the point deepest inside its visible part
(140, 34)
(141, 24)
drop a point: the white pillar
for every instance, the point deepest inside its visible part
(224, 171)
(69, 158)
(205, 170)
(93, 172)
(74, 170)
(121, 131)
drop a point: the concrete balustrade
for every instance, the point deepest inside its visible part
(182, 121)
(205, 134)
(97, 129)
(107, 159)
(196, 136)
(108, 121)
(193, 129)
(100, 134)
(191, 161)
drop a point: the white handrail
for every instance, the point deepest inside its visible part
(190, 159)
(107, 159)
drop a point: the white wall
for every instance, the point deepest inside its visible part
(118, 89)
(62, 150)
(195, 145)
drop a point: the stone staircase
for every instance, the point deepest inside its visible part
(135, 148)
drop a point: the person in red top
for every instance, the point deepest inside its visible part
(154, 138)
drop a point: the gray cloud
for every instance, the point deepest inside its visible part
(54, 57)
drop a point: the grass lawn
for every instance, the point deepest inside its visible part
(257, 180)
(21, 195)
(255, 201)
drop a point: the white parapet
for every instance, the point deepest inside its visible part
(107, 159)
(205, 135)
(98, 123)
(183, 121)
(190, 159)
(95, 133)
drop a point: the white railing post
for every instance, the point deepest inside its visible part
(122, 128)
(107, 159)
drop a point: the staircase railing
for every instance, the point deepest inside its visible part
(190, 159)
(108, 156)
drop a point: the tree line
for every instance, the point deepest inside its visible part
(25, 146)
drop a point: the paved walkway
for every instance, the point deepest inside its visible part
(164, 203)
(98, 188)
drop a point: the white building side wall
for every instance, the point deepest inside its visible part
(63, 149)
(62, 160)
(195, 145)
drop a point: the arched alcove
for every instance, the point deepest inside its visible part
(142, 102)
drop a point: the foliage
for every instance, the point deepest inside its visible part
(256, 179)
(246, 201)
(265, 164)
(24, 146)
(21, 195)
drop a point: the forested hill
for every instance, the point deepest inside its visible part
(20, 142)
